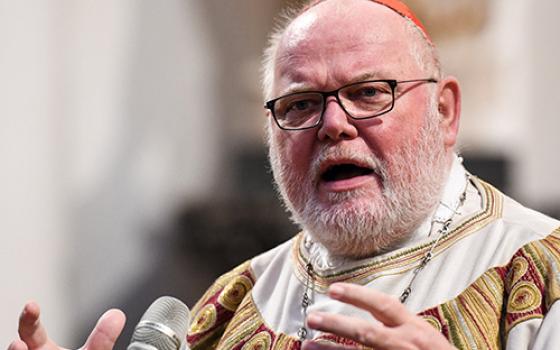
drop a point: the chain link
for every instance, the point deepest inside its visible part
(306, 301)
(443, 231)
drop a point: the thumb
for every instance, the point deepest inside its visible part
(106, 331)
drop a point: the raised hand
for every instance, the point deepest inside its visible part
(397, 328)
(33, 335)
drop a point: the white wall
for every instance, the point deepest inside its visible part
(540, 161)
(32, 210)
(509, 75)
(108, 122)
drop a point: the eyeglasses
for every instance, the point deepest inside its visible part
(361, 100)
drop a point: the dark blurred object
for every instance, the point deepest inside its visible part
(494, 169)
(209, 238)
(553, 211)
(234, 230)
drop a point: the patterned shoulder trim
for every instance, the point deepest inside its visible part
(215, 309)
(248, 331)
(479, 318)
(503, 297)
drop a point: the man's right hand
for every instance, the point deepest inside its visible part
(33, 335)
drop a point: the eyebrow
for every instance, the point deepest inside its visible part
(297, 87)
(304, 87)
(366, 76)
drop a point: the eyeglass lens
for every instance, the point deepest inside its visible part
(360, 100)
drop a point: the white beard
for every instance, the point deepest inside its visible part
(364, 222)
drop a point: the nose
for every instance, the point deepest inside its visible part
(336, 124)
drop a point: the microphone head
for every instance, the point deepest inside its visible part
(163, 326)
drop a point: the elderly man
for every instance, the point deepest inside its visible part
(361, 138)
(401, 248)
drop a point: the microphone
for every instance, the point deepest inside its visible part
(162, 327)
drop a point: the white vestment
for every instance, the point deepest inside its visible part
(492, 283)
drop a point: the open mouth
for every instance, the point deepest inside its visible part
(339, 172)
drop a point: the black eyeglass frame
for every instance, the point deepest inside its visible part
(325, 94)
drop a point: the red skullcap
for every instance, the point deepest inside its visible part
(403, 10)
(397, 6)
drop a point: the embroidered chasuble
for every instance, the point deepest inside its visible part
(492, 283)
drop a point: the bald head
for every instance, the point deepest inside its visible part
(326, 25)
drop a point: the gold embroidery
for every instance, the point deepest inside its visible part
(476, 319)
(434, 322)
(260, 341)
(204, 320)
(519, 268)
(243, 324)
(211, 318)
(525, 297)
(234, 292)
(284, 342)
(222, 282)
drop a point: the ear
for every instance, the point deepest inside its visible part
(270, 122)
(449, 108)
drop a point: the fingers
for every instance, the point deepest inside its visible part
(413, 335)
(359, 330)
(393, 326)
(30, 329)
(17, 345)
(106, 331)
(383, 307)
(34, 336)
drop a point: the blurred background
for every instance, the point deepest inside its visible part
(132, 161)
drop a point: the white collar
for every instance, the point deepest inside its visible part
(450, 198)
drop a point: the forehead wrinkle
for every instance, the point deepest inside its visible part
(318, 47)
(299, 72)
(293, 67)
(296, 80)
(290, 62)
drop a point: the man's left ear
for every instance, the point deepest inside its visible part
(449, 108)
